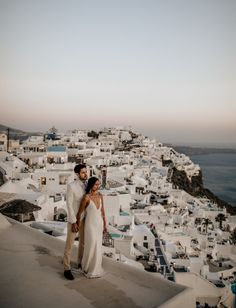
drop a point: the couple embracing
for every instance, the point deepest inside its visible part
(86, 215)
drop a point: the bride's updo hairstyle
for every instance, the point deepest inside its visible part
(91, 183)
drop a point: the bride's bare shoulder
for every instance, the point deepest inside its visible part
(86, 197)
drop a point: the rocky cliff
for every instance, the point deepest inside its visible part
(195, 188)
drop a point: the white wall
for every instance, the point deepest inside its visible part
(112, 208)
(53, 179)
(47, 209)
(124, 245)
(225, 251)
(124, 201)
(139, 232)
(123, 220)
(196, 265)
(202, 287)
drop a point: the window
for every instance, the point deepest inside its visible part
(145, 237)
(145, 245)
(43, 180)
(63, 179)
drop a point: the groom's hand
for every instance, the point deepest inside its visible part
(74, 227)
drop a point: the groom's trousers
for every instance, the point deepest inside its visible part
(70, 243)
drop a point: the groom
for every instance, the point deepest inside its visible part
(74, 194)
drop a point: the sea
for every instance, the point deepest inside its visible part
(219, 174)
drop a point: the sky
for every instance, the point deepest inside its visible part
(165, 67)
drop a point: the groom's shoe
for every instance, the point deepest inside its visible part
(68, 275)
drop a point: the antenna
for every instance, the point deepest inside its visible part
(8, 137)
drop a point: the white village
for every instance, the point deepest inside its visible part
(164, 246)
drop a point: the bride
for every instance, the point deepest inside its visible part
(95, 225)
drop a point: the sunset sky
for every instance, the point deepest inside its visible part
(165, 67)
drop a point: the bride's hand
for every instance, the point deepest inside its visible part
(74, 228)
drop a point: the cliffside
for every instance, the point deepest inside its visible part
(195, 188)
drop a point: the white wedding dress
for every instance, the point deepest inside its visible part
(93, 233)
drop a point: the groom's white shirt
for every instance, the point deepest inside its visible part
(74, 193)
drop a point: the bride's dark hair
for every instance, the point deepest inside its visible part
(91, 183)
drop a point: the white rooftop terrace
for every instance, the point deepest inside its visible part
(32, 276)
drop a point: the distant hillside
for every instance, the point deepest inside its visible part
(3, 128)
(17, 133)
(187, 150)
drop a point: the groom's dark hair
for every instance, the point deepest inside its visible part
(79, 167)
(90, 184)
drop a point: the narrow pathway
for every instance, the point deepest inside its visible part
(165, 268)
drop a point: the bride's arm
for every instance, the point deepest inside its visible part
(103, 216)
(83, 204)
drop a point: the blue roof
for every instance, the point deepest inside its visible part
(57, 148)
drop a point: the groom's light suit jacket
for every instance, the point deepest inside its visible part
(74, 193)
